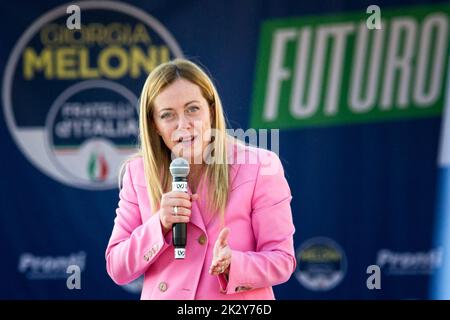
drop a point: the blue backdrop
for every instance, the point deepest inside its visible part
(364, 192)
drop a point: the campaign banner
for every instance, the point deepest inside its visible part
(355, 94)
(337, 69)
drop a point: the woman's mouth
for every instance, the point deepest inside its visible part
(187, 141)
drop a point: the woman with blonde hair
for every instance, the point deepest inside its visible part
(237, 208)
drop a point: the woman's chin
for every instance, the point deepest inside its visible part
(193, 155)
(193, 158)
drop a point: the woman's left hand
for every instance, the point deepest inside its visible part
(221, 254)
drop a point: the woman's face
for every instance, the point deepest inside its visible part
(183, 119)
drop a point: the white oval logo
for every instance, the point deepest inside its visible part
(78, 120)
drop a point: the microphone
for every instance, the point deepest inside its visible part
(179, 168)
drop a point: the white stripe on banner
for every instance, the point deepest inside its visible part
(444, 150)
(441, 279)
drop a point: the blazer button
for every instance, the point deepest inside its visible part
(163, 286)
(202, 239)
(241, 288)
(148, 255)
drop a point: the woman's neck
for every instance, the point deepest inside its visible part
(195, 173)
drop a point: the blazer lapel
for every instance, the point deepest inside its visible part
(196, 215)
(199, 216)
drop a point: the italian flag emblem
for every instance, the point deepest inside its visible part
(97, 167)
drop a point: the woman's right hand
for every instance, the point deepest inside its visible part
(171, 199)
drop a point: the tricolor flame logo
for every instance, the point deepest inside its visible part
(98, 168)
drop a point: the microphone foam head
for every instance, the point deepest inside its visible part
(179, 167)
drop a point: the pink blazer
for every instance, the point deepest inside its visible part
(261, 235)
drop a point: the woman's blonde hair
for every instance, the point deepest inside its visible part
(155, 153)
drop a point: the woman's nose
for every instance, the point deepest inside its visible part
(183, 122)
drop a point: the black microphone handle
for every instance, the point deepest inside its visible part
(179, 230)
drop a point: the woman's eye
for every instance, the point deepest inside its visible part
(193, 109)
(166, 115)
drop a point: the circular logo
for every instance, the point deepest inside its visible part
(322, 264)
(70, 96)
